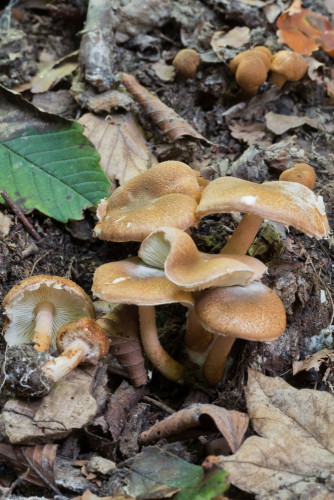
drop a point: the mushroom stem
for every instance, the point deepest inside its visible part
(244, 235)
(58, 367)
(277, 79)
(197, 338)
(214, 366)
(43, 326)
(164, 363)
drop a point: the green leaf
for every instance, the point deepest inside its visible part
(208, 489)
(46, 161)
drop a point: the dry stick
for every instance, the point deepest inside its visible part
(20, 215)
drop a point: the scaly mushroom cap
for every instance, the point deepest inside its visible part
(301, 173)
(69, 300)
(253, 312)
(174, 251)
(251, 68)
(87, 330)
(289, 64)
(166, 194)
(131, 281)
(186, 62)
(289, 203)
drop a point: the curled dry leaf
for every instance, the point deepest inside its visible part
(295, 443)
(305, 31)
(39, 457)
(281, 123)
(164, 117)
(49, 76)
(121, 144)
(236, 37)
(231, 424)
(314, 361)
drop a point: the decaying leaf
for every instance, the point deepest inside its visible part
(50, 75)
(121, 144)
(295, 447)
(5, 223)
(314, 361)
(236, 37)
(305, 31)
(282, 123)
(249, 132)
(164, 117)
(231, 424)
(39, 459)
(313, 65)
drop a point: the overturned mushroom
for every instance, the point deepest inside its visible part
(166, 194)
(38, 306)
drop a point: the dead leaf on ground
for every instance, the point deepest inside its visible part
(164, 117)
(236, 37)
(305, 31)
(50, 75)
(166, 72)
(282, 123)
(250, 133)
(121, 144)
(231, 424)
(88, 495)
(313, 65)
(295, 447)
(5, 223)
(325, 356)
(40, 457)
(272, 11)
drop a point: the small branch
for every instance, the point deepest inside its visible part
(15, 209)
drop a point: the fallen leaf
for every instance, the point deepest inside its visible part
(236, 37)
(121, 144)
(231, 424)
(88, 495)
(313, 64)
(40, 459)
(50, 75)
(5, 223)
(164, 117)
(325, 356)
(282, 123)
(295, 445)
(305, 31)
(250, 133)
(272, 11)
(164, 71)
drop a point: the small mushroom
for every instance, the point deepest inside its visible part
(38, 306)
(287, 65)
(251, 69)
(301, 173)
(81, 341)
(186, 62)
(166, 194)
(253, 312)
(289, 203)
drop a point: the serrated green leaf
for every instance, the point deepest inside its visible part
(46, 162)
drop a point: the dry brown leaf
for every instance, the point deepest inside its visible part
(49, 76)
(282, 123)
(236, 37)
(164, 117)
(272, 11)
(121, 144)
(295, 445)
(314, 361)
(250, 133)
(166, 72)
(5, 223)
(39, 457)
(231, 424)
(313, 64)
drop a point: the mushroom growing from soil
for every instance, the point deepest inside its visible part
(288, 203)
(302, 173)
(251, 69)
(80, 341)
(38, 306)
(287, 65)
(166, 194)
(186, 62)
(253, 312)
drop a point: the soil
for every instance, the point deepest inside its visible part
(300, 269)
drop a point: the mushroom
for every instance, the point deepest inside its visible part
(251, 69)
(131, 281)
(38, 306)
(289, 203)
(287, 65)
(166, 194)
(80, 341)
(301, 173)
(253, 312)
(174, 251)
(186, 62)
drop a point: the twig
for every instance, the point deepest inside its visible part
(20, 215)
(40, 475)
(159, 404)
(37, 261)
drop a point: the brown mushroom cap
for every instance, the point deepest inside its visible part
(131, 281)
(166, 194)
(301, 173)
(251, 68)
(174, 251)
(69, 300)
(290, 64)
(289, 203)
(88, 331)
(253, 312)
(186, 62)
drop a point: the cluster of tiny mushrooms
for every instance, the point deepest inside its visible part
(222, 292)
